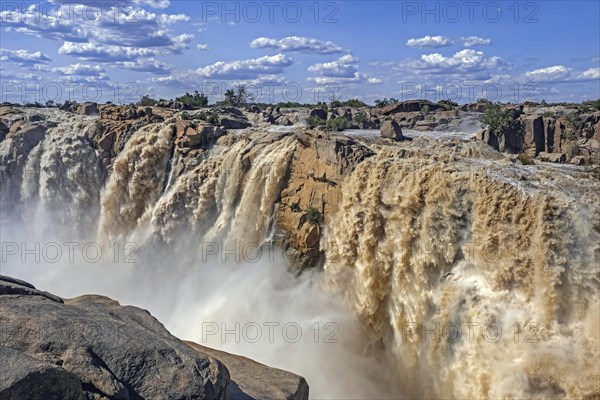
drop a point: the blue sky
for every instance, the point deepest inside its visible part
(300, 50)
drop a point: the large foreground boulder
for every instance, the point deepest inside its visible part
(91, 347)
(115, 352)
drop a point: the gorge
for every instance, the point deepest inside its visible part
(372, 267)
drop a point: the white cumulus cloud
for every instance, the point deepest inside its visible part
(475, 41)
(246, 69)
(429, 41)
(24, 58)
(297, 44)
(344, 67)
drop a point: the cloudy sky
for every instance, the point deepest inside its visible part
(303, 51)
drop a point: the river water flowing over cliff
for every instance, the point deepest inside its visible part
(431, 268)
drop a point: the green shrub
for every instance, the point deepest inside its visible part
(194, 100)
(574, 123)
(185, 115)
(354, 103)
(147, 101)
(596, 104)
(497, 119)
(313, 216)
(315, 121)
(295, 207)
(360, 117)
(337, 124)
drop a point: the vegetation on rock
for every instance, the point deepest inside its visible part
(195, 100)
(497, 118)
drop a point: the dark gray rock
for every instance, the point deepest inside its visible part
(24, 377)
(411, 106)
(254, 381)
(115, 352)
(233, 122)
(16, 286)
(177, 105)
(318, 112)
(91, 347)
(36, 118)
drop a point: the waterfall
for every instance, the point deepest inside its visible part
(463, 269)
(449, 271)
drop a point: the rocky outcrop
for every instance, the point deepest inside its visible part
(534, 140)
(318, 113)
(3, 131)
(552, 157)
(474, 107)
(9, 114)
(114, 351)
(88, 109)
(194, 135)
(121, 113)
(91, 347)
(229, 122)
(313, 193)
(564, 132)
(391, 130)
(411, 106)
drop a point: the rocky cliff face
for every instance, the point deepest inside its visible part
(418, 232)
(91, 347)
(569, 134)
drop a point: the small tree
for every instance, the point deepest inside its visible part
(382, 103)
(147, 101)
(497, 119)
(237, 96)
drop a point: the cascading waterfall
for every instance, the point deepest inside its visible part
(136, 182)
(420, 249)
(488, 282)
